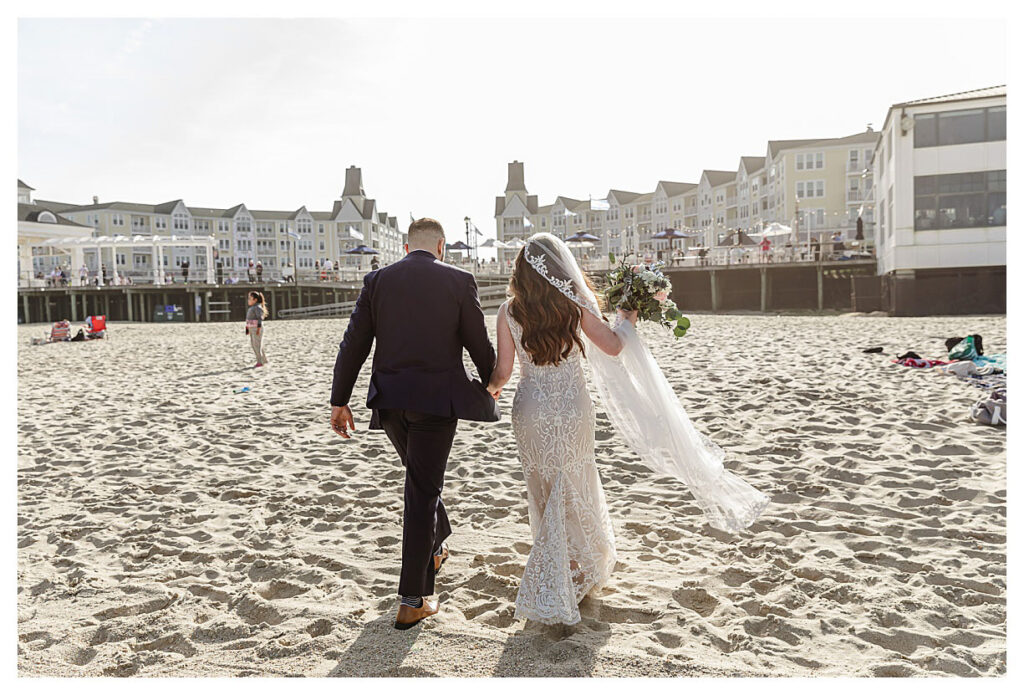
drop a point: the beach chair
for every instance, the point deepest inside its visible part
(95, 327)
(61, 331)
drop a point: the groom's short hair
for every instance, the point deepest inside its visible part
(425, 232)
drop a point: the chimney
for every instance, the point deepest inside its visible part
(95, 200)
(353, 182)
(516, 177)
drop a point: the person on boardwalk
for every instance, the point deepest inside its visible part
(259, 271)
(422, 314)
(254, 325)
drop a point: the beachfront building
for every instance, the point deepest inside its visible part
(674, 207)
(303, 238)
(38, 228)
(820, 186)
(940, 196)
(713, 204)
(750, 181)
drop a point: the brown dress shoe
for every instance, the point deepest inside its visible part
(440, 559)
(409, 616)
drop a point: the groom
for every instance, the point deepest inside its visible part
(422, 313)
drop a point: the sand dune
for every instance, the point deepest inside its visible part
(168, 526)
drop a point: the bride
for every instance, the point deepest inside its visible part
(552, 321)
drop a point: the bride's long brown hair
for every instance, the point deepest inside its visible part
(550, 320)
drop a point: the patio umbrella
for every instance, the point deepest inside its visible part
(363, 250)
(738, 238)
(516, 244)
(672, 235)
(458, 246)
(581, 237)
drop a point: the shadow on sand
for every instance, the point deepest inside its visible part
(540, 650)
(379, 650)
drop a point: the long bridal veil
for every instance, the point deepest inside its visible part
(643, 407)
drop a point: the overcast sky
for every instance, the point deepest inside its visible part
(270, 112)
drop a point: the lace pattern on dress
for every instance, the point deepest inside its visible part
(573, 543)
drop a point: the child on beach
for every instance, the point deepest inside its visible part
(254, 325)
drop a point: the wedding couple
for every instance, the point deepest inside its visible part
(422, 314)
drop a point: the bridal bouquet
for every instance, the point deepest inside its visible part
(644, 288)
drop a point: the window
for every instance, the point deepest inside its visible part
(957, 201)
(222, 226)
(810, 189)
(161, 223)
(996, 123)
(117, 219)
(960, 127)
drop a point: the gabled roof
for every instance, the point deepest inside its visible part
(168, 207)
(863, 137)
(568, 203)
(674, 188)
(752, 164)
(56, 206)
(717, 177)
(30, 213)
(499, 205)
(232, 211)
(623, 197)
(531, 204)
(543, 209)
(643, 198)
(983, 93)
(22, 184)
(272, 215)
(776, 146)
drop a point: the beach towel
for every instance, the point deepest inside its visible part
(996, 361)
(919, 363)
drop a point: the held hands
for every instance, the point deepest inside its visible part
(495, 391)
(341, 421)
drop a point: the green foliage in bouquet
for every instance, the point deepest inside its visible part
(644, 288)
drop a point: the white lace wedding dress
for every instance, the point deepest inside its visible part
(573, 545)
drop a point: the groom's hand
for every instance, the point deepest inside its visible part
(341, 420)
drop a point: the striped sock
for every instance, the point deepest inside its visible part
(412, 601)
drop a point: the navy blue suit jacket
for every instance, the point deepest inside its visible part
(422, 313)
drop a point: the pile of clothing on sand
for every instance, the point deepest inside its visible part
(966, 360)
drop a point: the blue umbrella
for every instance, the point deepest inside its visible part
(364, 250)
(580, 237)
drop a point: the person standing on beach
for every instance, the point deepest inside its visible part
(422, 313)
(254, 325)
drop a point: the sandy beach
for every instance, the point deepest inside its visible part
(168, 526)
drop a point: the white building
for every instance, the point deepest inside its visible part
(940, 197)
(272, 237)
(38, 225)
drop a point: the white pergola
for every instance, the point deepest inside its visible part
(155, 244)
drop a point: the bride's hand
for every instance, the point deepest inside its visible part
(495, 391)
(630, 316)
